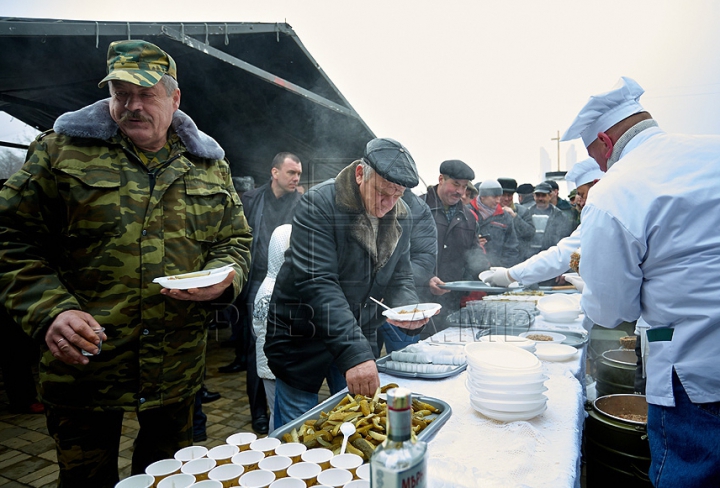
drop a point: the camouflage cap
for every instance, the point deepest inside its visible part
(138, 62)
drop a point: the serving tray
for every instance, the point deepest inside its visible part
(406, 374)
(427, 433)
(477, 286)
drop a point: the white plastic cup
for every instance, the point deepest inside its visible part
(163, 468)
(248, 459)
(180, 480)
(357, 484)
(223, 454)
(207, 484)
(276, 464)
(318, 455)
(136, 481)
(363, 472)
(227, 474)
(335, 477)
(305, 471)
(191, 452)
(347, 461)
(242, 440)
(199, 468)
(99, 346)
(266, 445)
(293, 450)
(288, 483)
(257, 479)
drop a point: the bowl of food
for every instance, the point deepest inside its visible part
(409, 313)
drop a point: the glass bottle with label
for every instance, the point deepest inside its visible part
(399, 462)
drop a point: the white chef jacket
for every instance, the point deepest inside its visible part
(651, 251)
(548, 263)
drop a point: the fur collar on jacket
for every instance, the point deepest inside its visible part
(94, 122)
(348, 200)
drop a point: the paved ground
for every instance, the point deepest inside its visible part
(27, 453)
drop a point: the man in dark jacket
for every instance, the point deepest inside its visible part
(550, 223)
(495, 226)
(460, 257)
(266, 208)
(350, 241)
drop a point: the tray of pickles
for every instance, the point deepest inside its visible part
(320, 426)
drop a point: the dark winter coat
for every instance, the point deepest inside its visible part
(502, 247)
(320, 311)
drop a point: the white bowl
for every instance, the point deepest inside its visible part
(515, 406)
(555, 352)
(513, 340)
(556, 337)
(483, 376)
(408, 313)
(196, 279)
(534, 385)
(508, 416)
(558, 307)
(505, 395)
(491, 356)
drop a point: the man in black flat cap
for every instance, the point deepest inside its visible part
(523, 229)
(460, 257)
(350, 241)
(525, 194)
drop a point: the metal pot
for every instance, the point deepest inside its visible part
(615, 372)
(617, 449)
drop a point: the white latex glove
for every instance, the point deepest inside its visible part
(497, 277)
(576, 281)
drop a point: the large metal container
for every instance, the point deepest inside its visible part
(615, 372)
(616, 449)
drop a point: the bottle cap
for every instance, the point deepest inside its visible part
(399, 398)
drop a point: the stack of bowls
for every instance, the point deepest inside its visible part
(505, 382)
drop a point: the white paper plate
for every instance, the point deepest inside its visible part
(508, 416)
(555, 352)
(196, 279)
(555, 336)
(514, 406)
(408, 313)
(499, 357)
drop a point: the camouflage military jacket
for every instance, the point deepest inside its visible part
(85, 226)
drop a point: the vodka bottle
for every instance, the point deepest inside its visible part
(399, 462)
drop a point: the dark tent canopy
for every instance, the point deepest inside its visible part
(253, 87)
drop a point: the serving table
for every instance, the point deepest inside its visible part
(471, 450)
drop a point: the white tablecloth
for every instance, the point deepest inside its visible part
(471, 450)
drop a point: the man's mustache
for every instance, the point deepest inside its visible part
(135, 115)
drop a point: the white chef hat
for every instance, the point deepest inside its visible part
(605, 110)
(583, 172)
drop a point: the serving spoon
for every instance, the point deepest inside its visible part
(347, 430)
(380, 303)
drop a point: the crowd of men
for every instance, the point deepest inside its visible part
(129, 189)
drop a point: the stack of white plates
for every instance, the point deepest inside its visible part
(505, 382)
(517, 341)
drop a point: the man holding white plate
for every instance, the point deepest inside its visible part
(350, 241)
(119, 193)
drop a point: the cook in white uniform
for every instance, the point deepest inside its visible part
(556, 260)
(651, 252)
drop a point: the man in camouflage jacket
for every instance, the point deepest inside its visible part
(119, 193)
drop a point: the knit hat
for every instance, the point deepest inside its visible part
(490, 188)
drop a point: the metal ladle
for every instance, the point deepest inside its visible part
(347, 430)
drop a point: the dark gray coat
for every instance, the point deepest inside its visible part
(320, 311)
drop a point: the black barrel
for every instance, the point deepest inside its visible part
(615, 372)
(617, 452)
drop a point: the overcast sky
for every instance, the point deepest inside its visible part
(487, 82)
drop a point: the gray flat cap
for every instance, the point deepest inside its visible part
(457, 170)
(392, 161)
